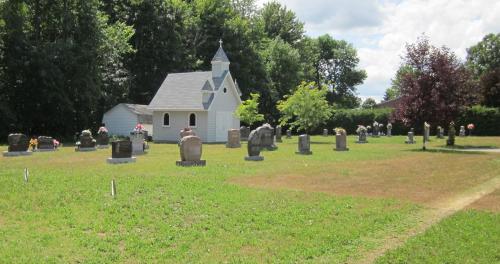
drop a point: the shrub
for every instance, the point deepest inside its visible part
(485, 119)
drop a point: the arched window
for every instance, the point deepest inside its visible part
(166, 119)
(192, 120)
(225, 90)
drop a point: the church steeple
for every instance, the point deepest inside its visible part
(220, 62)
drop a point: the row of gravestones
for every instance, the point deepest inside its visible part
(440, 134)
(19, 145)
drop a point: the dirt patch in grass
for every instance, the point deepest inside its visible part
(422, 177)
(490, 203)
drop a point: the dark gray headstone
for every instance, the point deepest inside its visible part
(244, 133)
(18, 142)
(278, 134)
(253, 146)
(45, 143)
(121, 149)
(102, 138)
(304, 145)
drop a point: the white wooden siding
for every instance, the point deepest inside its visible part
(120, 121)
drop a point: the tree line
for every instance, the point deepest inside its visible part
(64, 63)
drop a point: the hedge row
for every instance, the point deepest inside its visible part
(486, 120)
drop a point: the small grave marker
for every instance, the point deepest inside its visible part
(113, 188)
(26, 174)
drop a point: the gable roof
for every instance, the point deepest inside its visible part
(220, 55)
(181, 91)
(139, 109)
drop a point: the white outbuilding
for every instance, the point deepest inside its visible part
(202, 101)
(122, 119)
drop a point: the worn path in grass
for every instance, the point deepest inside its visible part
(437, 212)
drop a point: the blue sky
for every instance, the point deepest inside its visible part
(379, 29)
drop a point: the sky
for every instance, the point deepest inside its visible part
(379, 29)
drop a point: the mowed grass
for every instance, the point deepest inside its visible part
(164, 213)
(467, 237)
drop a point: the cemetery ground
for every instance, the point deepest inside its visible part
(383, 201)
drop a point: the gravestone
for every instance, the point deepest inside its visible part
(253, 146)
(45, 144)
(278, 134)
(138, 143)
(18, 145)
(267, 138)
(451, 135)
(440, 132)
(389, 130)
(288, 133)
(304, 145)
(190, 150)
(462, 131)
(121, 152)
(325, 132)
(362, 133)
(233, 138)
(341, 140)
(427, 130)
(376, 129)
(244, 133)
(410, 139)
(86, 142)
(102, 138)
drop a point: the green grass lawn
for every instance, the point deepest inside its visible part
(164, 213)
(467, 237)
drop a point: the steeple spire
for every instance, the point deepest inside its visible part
(220, 62)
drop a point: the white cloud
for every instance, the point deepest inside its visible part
(380, 29)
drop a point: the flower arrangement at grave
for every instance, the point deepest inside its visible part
(56, 143)
(362, 129)
(102, 130)
(86, 132)
(340, 131)
(366, 128)
(389, 126)
(427, 125)
(33, 143)
(139, 128)
(470, 127)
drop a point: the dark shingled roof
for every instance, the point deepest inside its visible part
(220, 55)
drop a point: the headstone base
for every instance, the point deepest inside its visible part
(102, 146)
(233, 146)
(271, 148)
(16, 153)
(85, 149)
(304, 152)
(361, 142)
(345, 149)
(45, 150)
(411, 142)
(254, 158)
(121, 160)
(187, 163)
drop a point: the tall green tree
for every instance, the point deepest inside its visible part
(333, 63)
(394, 91)
(369, 103)
(306, 108)
(278, 21)
(283, 71)
(160, 26)
(484, 61)
(248, 111)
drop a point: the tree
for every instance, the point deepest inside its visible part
(333, 63)
(484, 61)
(394, 91)
(283, 71)
(306, 108)
(369, 103)
(437, 88)
(248, 111)
(278, 21)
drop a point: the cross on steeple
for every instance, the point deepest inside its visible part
(220, 42)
